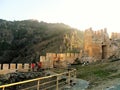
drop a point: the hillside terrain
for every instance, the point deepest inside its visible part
(24, 41)
(100, 75)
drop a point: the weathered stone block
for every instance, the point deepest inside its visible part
(62, 57)
(5, 71)
(58, 55)
(51, 63)
(54, 54)
(49, 54)
(5, 66)
(72, 55)
(19, 66)
(76, 55)
(42, 58)
(26, 66)
(12, 66)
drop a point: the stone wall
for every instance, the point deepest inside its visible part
(115, 35)
(97, 46)
(8, 68)
(52, 59)
(96, 43)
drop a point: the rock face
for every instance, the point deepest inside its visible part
(98, 45)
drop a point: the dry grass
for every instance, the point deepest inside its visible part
(99, 72)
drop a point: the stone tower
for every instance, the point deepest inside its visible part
(96, 43)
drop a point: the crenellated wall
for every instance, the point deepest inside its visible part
(97, 46)
(96, 43)
(51, 59)
(115, 35)
(9, 68)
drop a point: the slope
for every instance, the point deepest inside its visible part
(23, 41)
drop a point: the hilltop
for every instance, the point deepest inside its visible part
(24, 41)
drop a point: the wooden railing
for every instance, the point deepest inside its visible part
(54, 82)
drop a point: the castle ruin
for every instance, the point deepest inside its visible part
(98, 45)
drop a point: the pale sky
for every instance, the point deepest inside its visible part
(80, 14)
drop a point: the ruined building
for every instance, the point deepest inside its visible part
(98, 45)
(115, 35)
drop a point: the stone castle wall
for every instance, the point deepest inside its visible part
(97, 46)
(115, 35)
(9, 68)
(96, 43)
(51, 59)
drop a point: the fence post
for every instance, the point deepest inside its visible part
(38, 85)
(57, 83)
(3, 88)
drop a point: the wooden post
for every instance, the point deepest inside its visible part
(38, 85)
(57, 83)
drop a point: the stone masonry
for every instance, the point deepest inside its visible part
(98, 45)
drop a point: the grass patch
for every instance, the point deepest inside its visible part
(101, 73)
(85, 72)
(96, 73)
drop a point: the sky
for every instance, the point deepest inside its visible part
(80, 14)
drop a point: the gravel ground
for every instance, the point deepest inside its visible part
(105, 85)
(108, 85)
(77, 84)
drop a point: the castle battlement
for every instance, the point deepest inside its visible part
(51, 58)
(94, 41)
(115, 35)
(12, 67)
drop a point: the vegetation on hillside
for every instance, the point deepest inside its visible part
(98, 73)
(23, 41)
